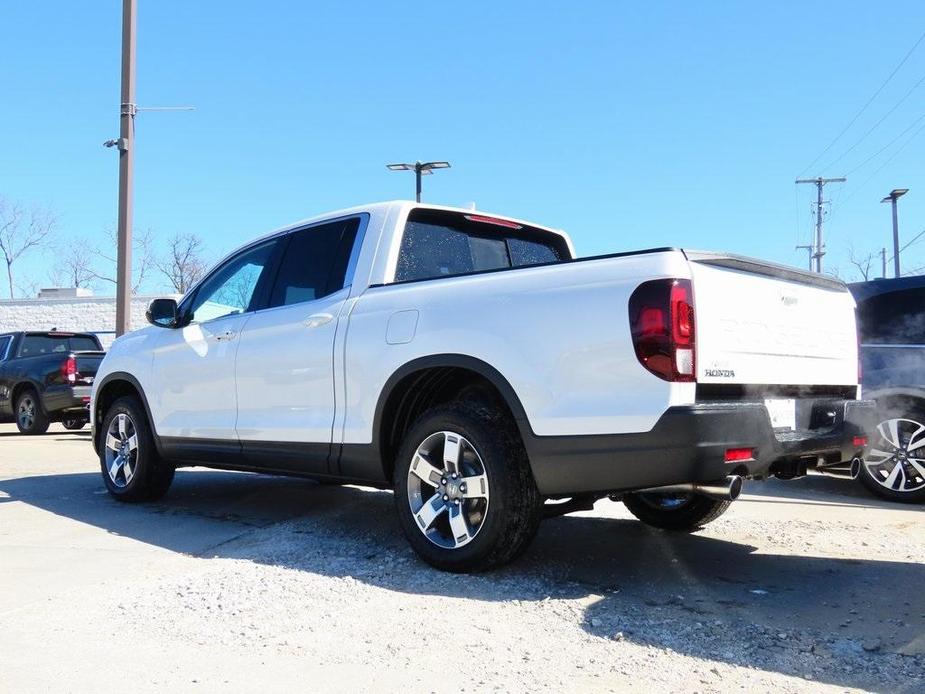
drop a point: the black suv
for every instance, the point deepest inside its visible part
(891, 320)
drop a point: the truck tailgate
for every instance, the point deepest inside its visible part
(759, 323)
(87, 365)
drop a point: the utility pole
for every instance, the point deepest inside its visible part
(819, 243)
(126, 146)
(883, 262)
(810, 253)
(895, 195)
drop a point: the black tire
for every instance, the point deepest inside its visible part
(512, 511)
(30, 417)
(915, 491)
(150, 475)
(678, 512)
(73, 424)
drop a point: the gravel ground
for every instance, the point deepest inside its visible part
(240, 582)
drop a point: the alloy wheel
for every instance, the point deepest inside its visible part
(448, 490)
(899, 465)
(26, 412)
(121, 450)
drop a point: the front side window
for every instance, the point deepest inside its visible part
(443, 244)
(230, 289)
(314, 263)
(4, 345)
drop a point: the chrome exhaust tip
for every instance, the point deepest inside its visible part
(728, 489)
(845, 470)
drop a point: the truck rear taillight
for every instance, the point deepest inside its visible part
(69, 370)
(662, 326)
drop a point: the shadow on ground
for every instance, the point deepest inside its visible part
(748, 608)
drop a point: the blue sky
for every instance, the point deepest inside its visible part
(630, 125)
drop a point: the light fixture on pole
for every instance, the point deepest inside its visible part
(420, 168)
(895, 195)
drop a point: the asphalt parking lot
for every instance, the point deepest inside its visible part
(238, 582)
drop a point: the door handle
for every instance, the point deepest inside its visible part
(316, 320)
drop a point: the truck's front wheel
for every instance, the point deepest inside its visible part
(132, 469)
(682, 512)
(465, 496)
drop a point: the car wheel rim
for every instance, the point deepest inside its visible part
(899, 462)
(448, 490)
(26, 412)
(121, 450)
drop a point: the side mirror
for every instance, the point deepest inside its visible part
(163, 313)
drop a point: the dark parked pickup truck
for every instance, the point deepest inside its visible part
(891, 319)
(46, 377)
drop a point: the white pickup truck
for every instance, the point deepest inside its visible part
(470, 362)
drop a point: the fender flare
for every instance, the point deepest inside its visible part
(131, 380)
(464, 361)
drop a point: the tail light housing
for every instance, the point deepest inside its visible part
(663, 330)
(69, 370)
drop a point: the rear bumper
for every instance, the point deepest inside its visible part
(688, 444)
(70, 400)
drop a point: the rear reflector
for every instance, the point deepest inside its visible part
(734, 455)
(859, 441)
(493, 220)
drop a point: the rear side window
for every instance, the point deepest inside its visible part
(893, 318)
(443, 244)
(314, 263)
(34, 345)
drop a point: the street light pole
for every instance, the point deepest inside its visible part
(420, 168)
(895, 195)
(126, 145)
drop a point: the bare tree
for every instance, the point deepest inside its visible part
(75, 268)
(143, 258)
(183, 264)
(21, 232)
(862, 263)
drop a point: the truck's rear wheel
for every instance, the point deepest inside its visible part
(684, 512)
(30, 417)
(894, 467)
(465, 496)
(132, 469)
(73, 423)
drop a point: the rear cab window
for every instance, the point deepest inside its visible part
(438, 243)
(896, 317)
(37, 345)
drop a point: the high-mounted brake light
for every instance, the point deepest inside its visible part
(493, 220)
(662, 326)
(69, 370)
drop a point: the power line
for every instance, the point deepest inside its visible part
(914, 239)
(884, 164)
(886, 146)
(877, 124)
(864, 107)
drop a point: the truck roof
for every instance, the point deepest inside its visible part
(391, 207)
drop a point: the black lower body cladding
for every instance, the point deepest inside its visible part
(688, 444)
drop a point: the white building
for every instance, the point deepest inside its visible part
(76, 310)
